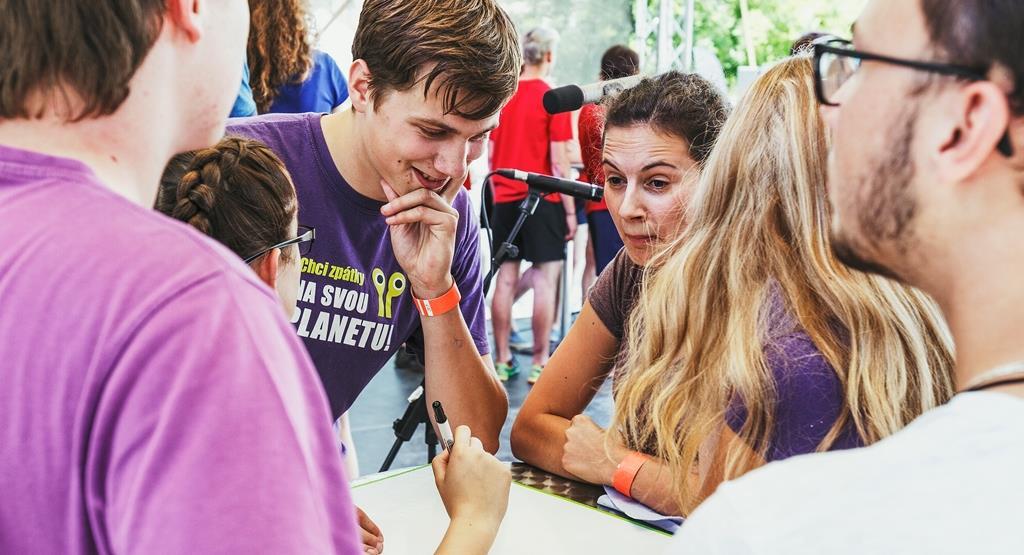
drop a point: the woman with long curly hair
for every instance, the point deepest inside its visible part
(287, 74)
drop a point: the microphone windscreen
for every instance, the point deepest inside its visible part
(563, 99)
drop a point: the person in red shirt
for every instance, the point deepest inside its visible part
(530, 139)
(617, 62)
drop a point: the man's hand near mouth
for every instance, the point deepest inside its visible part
(423, 225)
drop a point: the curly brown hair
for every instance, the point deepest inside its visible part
(279, 49)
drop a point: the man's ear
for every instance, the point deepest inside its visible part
(982, 114)
(187, 15)
(266, 267)
(359, 86)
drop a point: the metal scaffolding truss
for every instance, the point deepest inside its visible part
(664, 34)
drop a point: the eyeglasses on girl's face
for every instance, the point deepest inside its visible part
(305, 238)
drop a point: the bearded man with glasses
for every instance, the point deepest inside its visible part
(926, 182)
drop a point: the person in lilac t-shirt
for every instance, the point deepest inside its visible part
(381, 182)
(154, 399)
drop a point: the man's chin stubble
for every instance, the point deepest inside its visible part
(848, 255)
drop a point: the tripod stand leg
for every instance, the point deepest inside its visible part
(391, 456)
(508, 249)
(406, 426)
(563, 305)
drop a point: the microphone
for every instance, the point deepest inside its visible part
(573, 97)
(548, 184)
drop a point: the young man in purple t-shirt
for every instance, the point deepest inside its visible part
(381, 183)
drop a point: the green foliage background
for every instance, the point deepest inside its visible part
(774, 25)
(588, 27)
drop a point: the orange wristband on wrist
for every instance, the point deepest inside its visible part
(440, 305)
(626, 472)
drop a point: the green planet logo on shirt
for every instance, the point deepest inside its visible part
(388, 289)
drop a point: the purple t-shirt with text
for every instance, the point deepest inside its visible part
(154, 398)
(355, 308)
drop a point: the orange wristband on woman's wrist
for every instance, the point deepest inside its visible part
(440, 305)
(626, 472)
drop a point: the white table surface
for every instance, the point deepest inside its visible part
(406, 506)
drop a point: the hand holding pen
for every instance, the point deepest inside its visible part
(443, 427)
(474, 487)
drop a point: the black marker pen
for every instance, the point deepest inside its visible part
(447, 440)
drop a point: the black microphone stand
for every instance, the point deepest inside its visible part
(405, 427)
(416, 411)
(507, 250)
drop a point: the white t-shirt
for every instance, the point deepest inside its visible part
(951, 482)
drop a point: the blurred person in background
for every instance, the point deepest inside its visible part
(244, 105)
(288, 75)
(530, 139)
(617, 62)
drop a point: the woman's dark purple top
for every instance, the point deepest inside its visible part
(809, 396)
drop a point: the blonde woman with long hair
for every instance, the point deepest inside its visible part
(751, 342)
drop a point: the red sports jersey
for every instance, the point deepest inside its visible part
(523, 138)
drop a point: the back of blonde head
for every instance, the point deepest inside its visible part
(758, 233)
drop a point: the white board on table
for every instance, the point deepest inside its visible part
(412, 518)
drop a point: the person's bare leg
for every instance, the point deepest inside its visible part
(580, 244)
(501, 309)
(525, 282)
(590, 270)
(545, 295)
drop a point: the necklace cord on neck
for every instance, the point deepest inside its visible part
(1000, 375)
(1005, 381)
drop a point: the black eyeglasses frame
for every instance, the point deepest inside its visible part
(823, 46)
(305, 234)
